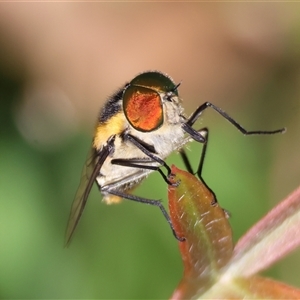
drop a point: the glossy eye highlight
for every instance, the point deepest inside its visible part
(156, 81)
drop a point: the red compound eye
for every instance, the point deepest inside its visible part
(143, 108)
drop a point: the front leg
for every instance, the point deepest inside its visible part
(141, 164)
(142, 146)
(194, 117)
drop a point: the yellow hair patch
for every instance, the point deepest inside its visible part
(115, 125)
(112, 199)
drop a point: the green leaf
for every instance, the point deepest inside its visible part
(197, 216)
(211, 269)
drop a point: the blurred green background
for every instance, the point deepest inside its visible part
(58, 64)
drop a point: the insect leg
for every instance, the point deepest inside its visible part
(150, 202)
(204, 133)
(140, 164)
(205, 105)
(201, 136)
(140, 145)
(186, 161)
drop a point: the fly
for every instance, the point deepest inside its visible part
(138, 127)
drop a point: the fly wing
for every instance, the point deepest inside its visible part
(89, 174)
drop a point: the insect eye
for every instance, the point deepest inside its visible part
(157, 81)
(143, 108)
